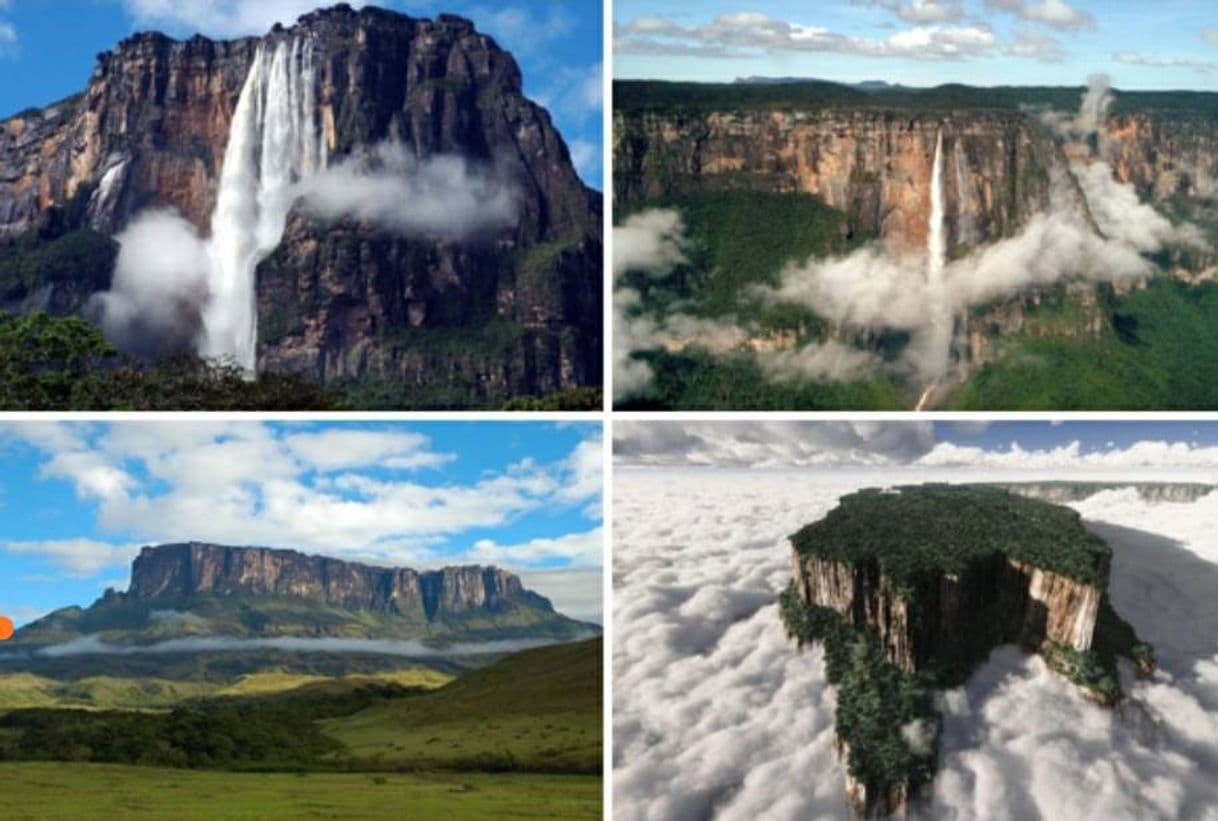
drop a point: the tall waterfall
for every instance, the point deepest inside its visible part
(936, 236)
(275, 140)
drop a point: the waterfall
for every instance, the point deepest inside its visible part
(936, 236)
(274, 141)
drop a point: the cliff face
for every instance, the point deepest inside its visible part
(183, 570)
(1063, 492)
(874, 165)
(347, 301)
(1164, 155)
(995, 601)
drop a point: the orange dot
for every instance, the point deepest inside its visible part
(6, 628)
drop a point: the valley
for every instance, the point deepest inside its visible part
(802, 219)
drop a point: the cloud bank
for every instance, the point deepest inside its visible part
(377, 493)
(715, 708)
(93, 645)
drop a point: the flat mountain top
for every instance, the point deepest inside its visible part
(661, 96)
(917, 529)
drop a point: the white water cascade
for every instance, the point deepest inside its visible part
(274, 142)
(936, 248)
(936, 235)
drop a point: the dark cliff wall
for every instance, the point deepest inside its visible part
(347, 301)
(950, 622)
(180, 571)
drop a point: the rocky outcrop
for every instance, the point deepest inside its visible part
(348, 302)
(997, 600)
(1164, 155)
(181, 571)
(874, 165)
(1064, 492)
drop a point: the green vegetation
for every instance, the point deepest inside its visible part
(739, 240)
(1096, 669)
(122, 619)
(1160, 353)
(885, 715)
(537, 710)
(575, 399)
(108, 692)
(83, 259)
(64, 363)
(42, 792)
(696, 380)
(915, 531)
(636, 96)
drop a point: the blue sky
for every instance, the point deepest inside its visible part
(1054, 449)
(1167, 44)
(77, 500)
(50, 47)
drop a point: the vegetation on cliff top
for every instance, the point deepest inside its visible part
(636, 96)
(933, 528)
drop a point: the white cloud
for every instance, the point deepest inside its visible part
(219, 18)
(79, 557)
(448, 196)
(586, 157)
(1137, 58)
(919, 11)
(714, 707)
(240, 483)
(1054, 13)
(572, 550)
(1211, 36)
(338, 449)
(770, 443)
(9, 43)
(524, 29)
(747, 33)
(1156, 455)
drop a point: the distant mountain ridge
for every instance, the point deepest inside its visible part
(199, 589)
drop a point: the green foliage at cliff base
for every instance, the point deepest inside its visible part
(878, 704)
(1161, 353)
(64, 363)
(927, 530)
(54, 792)
(1096, 669)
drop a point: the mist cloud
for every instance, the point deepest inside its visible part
(715, 708)
(154, 305)
(92, 645)
(444, 196)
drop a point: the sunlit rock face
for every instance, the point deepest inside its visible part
(1007, 600)
(180, 571)
(877, 166)
(346, 300)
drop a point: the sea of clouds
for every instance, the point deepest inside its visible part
(718, 715)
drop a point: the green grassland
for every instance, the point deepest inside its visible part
(536, 710)
(53, 791)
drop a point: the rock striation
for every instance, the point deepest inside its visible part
(438, 321)
(194, 589)
(179, 571)
(874, 165)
